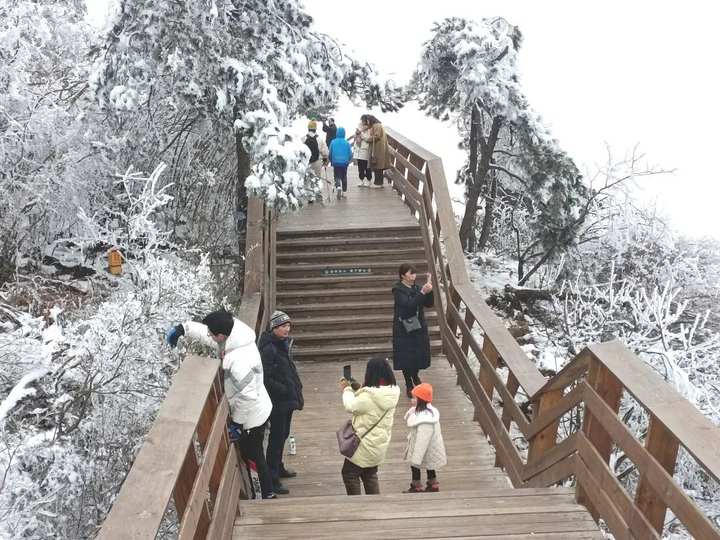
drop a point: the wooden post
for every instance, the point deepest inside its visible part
(486, 380)
(512, 386)
(663, 446)
(544, 440)
(610, 389)
(186, 479)
(469, 321)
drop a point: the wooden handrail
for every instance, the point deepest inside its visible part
(187, 455)
(590, 387)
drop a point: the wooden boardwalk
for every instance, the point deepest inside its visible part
(362, 208)
(476, 498)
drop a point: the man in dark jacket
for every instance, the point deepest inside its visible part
(330, 130)
(283, 384)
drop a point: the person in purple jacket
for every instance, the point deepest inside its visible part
(340, 158)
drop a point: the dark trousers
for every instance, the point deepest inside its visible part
(411, 378)
(250, 442)
(340, 174)
(364, 170)
(378, 177)
(416, 474)
(279, 432)
(352, 475)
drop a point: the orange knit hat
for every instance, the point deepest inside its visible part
(423, 391)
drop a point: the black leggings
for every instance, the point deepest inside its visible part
(378, 177)
(411, 377)
(363, 170)
(251, 447)
(416, 474)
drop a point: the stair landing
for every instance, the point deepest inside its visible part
(476, 498)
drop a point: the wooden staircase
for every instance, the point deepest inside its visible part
(336, 286)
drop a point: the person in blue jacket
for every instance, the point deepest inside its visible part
(340, 158)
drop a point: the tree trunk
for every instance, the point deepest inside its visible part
(486, 151)
(488, 219)
(466, 233)
(241, 197)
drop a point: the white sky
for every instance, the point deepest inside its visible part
(611, 72)
(615, 72)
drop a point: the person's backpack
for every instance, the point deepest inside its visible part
(312, 144)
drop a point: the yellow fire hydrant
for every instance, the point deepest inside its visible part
(115, 261)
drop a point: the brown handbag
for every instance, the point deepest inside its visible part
(347, 437)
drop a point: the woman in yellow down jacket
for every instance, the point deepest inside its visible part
(372, 407)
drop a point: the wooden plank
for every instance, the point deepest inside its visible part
(514, 357)
(552, 413)
(487, 369)
(491, 374)
(569, 374)
(140, 505)
(225, 503)
(556, 454)
(544, 440)
(610, 390)
(663, 446)
(448, 227)
(664, 485)
(426, 526)
(601, 502)
(254, 261)
(696, 432)
(201, 486)
(611, 487)
(184, 483)
(557, 472)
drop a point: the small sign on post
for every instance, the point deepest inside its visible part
(115, 261)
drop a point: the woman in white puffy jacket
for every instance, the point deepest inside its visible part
(249, 401)
(425, 448)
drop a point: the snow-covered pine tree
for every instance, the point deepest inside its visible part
(246, 66)
(469, 73)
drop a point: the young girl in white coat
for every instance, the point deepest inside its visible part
(425, 448)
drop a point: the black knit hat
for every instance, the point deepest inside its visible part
(219, 322)
(279, 318)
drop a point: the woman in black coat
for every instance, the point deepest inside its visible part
(411, 349)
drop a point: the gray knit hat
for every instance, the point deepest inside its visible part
(278, 319)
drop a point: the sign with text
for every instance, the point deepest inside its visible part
(345, 271)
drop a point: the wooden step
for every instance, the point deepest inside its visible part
(317, 323)
(487, 511)
(340, 232)
(357, 352)
(300, 296)
(339, 243)
(336, 282)
(356, 257)
(347, 307)
(379, 334)
(316, 270)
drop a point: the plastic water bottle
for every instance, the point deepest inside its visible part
(292, 447)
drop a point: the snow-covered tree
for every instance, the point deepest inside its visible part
(469, 73)
(242, 69)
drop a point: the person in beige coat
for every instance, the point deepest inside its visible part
(372, 407)
(425, 448)
(379, 154)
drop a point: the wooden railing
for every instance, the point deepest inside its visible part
(589, 388)
(187, 455)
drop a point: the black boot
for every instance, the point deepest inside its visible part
(279, 488)
(286, 473)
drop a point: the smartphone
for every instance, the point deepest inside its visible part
(346, 373)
